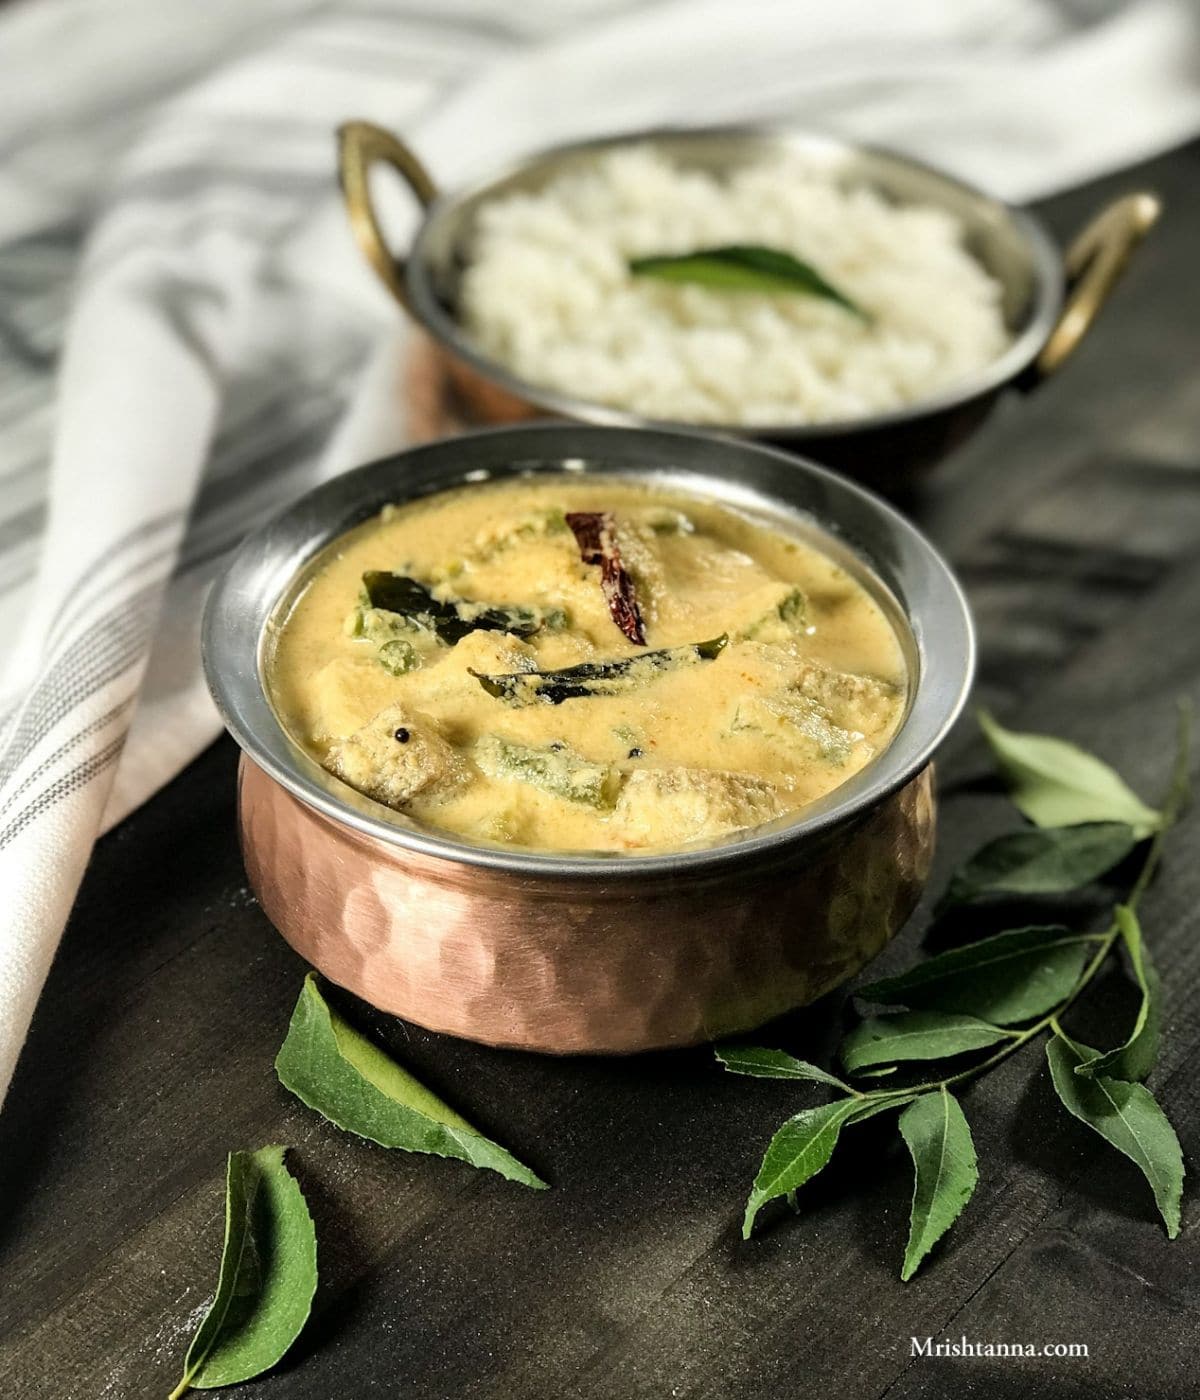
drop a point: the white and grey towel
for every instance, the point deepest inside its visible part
(184, 319)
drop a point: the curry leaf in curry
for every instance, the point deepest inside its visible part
(451, 619)
(983, 1002)
(267, 1278)
(329, 1066)
(744, 268)
(614, 677)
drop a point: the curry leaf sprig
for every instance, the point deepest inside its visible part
(975, 1005)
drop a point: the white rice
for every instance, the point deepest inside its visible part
(547, 292)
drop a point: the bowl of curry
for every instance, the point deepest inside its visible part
(586, 739)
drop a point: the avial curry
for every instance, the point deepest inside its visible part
(571, 663)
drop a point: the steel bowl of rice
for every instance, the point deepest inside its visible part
(844, 301)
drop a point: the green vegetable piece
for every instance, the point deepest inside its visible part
(401, 643)
(1125, 1115)
(1135, 1058)
(1057, 784)
(664, 520)
(792, 719)
(267, 1278)
(592, 678)
(792, 608)
(378, 625)
(1048, 860)
(796, 1153)
(1012, 976)
(944, 1167)
(398, 656)
(744, 268)
(332, 1068)
(453, 618)
(558, 770)
(761, 1063)
(915, 1035)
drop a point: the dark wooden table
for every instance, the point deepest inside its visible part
(1074, 519)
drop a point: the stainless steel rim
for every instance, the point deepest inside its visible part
(1045, 258)
(773, 482)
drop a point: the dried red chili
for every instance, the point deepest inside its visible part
(595, 534)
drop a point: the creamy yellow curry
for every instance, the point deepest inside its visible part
(570, 663)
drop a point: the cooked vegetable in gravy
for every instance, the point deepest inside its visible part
(571, 663)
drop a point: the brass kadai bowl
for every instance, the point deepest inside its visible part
(591, 952)
(1050, 299)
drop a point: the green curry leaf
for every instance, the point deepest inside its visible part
(613, 677)
(1058, 784)
(744, 268)
(915, 1035)
(1135, 1058)
(1010, 977)
(804, 1144)
(267, 1278)
(797, 1152)
(945, 1171)
(452, 619)
(761, 1063)
(1046, 860)
(332, 1068)
(1125, 1115)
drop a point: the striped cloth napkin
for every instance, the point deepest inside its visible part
(183, 317)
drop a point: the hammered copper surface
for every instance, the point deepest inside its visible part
(588, 963)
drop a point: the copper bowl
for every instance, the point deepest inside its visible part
(591, 952)
(1050, 299)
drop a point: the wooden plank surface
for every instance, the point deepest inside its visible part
(1074, 519)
